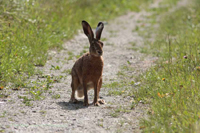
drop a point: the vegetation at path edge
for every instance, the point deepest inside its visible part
(172, 86)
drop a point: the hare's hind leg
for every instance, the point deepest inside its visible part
(85, 93)
(101, 101)
(74, 85)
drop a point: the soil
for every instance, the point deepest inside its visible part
(59, 115)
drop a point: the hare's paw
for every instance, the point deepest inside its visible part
(101, 101)
(73, 100)
(96, 103)
(86, 104)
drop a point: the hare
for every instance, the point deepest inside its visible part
(87, 70)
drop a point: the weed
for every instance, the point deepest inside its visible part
(133, 44)
(10, 119)
(144, 50)
(54, 67)
(26, 100)
(111, 85)
(56, 96)
(121, 73)
(22, 112)
(135, 49)
(3, 114)
(37, 95)
(100, 123)
(119, 131)
(43, 112)
(122, 110)
(114, 114)
(87, 47)
(121, 122)
(68, 71)
(115, 92)
(136, 29)
(7, 126)
(104, 39)
(71, 55)
(3, 95)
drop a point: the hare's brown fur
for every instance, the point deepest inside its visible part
(87, 70)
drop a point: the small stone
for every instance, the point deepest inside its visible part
(3, 127)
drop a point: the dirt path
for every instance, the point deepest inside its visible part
(58, 115)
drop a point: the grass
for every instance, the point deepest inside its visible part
(36, 90)
(26, 100)
(56, 96)
(171, 88)
(3, 114)
(30, 28)
(123, 84)
(116, 112)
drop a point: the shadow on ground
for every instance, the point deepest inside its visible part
(73, 106)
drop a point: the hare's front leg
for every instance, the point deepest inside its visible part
(101, 101)
(96, 94)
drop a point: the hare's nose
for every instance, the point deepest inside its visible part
(99, 52)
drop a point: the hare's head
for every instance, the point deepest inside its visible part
(95, 44)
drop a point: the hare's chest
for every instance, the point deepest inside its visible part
(96, 66)
(93, 70)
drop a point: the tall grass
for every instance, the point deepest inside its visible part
(172, 86)
(29, 28)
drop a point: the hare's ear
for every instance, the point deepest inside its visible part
(99, 29)
(87, 30)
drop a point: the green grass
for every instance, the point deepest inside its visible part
(171, 88)
(116, 112)
(56, 96)
(36, 90)
(30, 28)
(123, 84)
(26, 100)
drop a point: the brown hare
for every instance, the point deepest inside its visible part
(87, 70)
